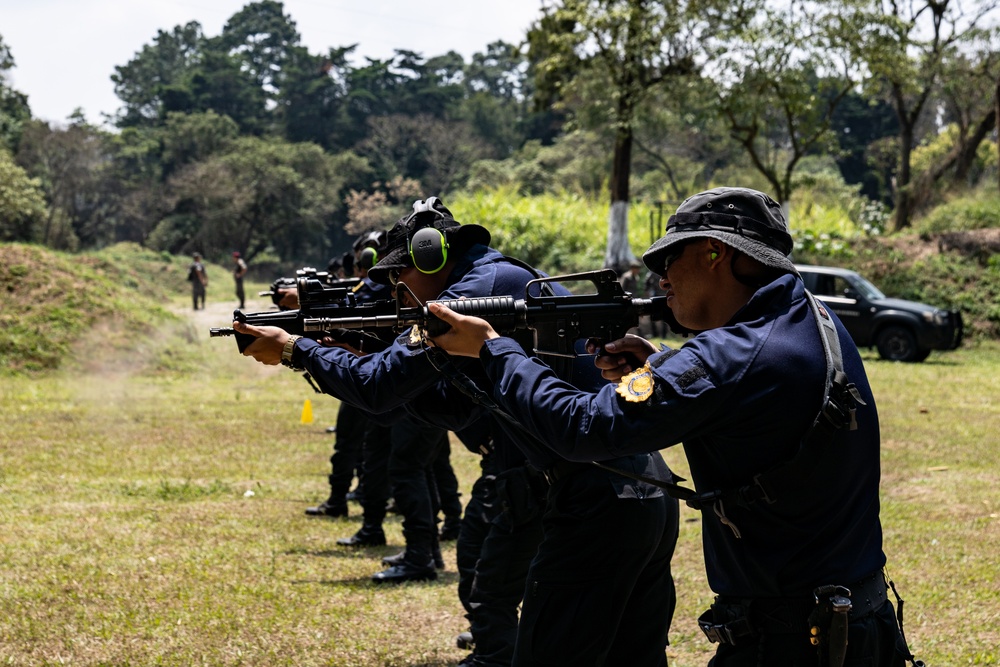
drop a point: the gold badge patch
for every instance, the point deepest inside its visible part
(416, 336)
(637, 386)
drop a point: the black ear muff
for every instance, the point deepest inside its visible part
(429, 250)
(367, 258)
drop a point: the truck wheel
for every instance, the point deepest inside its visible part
(897, 344)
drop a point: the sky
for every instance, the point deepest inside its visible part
(65, 51)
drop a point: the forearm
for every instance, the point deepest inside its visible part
(564, 418)
(375, 383)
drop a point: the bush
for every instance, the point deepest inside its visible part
(976, 210)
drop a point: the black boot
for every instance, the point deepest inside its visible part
(398, 559)
(366, 537)
(328, 509)
(405, 571)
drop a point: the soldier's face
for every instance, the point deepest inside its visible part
(686, 286)
(425, 286)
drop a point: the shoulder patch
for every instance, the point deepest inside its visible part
(637, 386)
(691, 375)
(664, 356)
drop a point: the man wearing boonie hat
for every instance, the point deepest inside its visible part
(783, 448)
(583, 604)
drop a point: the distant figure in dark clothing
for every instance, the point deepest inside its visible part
(199, 280)
(239, 270)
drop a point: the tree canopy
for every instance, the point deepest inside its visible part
(248, 139)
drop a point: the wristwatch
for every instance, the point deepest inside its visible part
(287, 350)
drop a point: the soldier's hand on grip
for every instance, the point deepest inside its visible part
(620, 357)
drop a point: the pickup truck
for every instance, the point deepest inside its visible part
(901, 330)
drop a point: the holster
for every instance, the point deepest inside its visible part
(825, 617)
(828, 624)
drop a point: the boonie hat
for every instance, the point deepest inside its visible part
(429, 213)
(744, 219)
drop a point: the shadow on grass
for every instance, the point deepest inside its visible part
(359, 583)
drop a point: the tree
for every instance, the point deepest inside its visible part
(22, 203)
(220, 83)
(260, 195)
(781, 76)
(496, 102)
(860, 122)
(168, 62)
(14, 110)
(906, 46)
(262, 39)
(608, 55)
(70, 163)
(967, 103)
(189, 138)
(312, 106)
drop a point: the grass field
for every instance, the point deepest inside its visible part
(155, 517)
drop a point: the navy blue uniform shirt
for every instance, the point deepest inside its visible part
(740, 397)
(402, 377)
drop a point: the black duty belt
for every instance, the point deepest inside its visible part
(733, 618)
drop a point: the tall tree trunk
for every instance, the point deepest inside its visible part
(618, 255)
(904, 197)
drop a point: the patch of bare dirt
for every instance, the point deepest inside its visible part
(976, 244)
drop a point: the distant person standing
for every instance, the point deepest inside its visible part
(239, 270)
(199, 280)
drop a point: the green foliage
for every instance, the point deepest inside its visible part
(976, 210)
(575, 162)
(260, 195)
(22, 203)
(557, 233)
(14, 110)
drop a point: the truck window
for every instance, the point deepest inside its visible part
(842, 288)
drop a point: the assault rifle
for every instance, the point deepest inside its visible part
(556, 321)
(317, 298)
(312, 277)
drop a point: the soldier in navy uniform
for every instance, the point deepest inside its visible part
(779, 425)
(583, 604)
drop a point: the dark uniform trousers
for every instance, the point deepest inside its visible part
(599, 591)
(351, 425)
(375, 469)
(415, 445)
(513, 500)
(873, 640)
(475, 527)
(446, 483)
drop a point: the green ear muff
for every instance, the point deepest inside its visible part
(368, 258)
(429, 250)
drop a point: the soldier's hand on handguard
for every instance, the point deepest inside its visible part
(288, 298)
(270, 341)
(467, 334)
(620, 357)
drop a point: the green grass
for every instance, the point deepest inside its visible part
(152, 484)
(153, 515)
